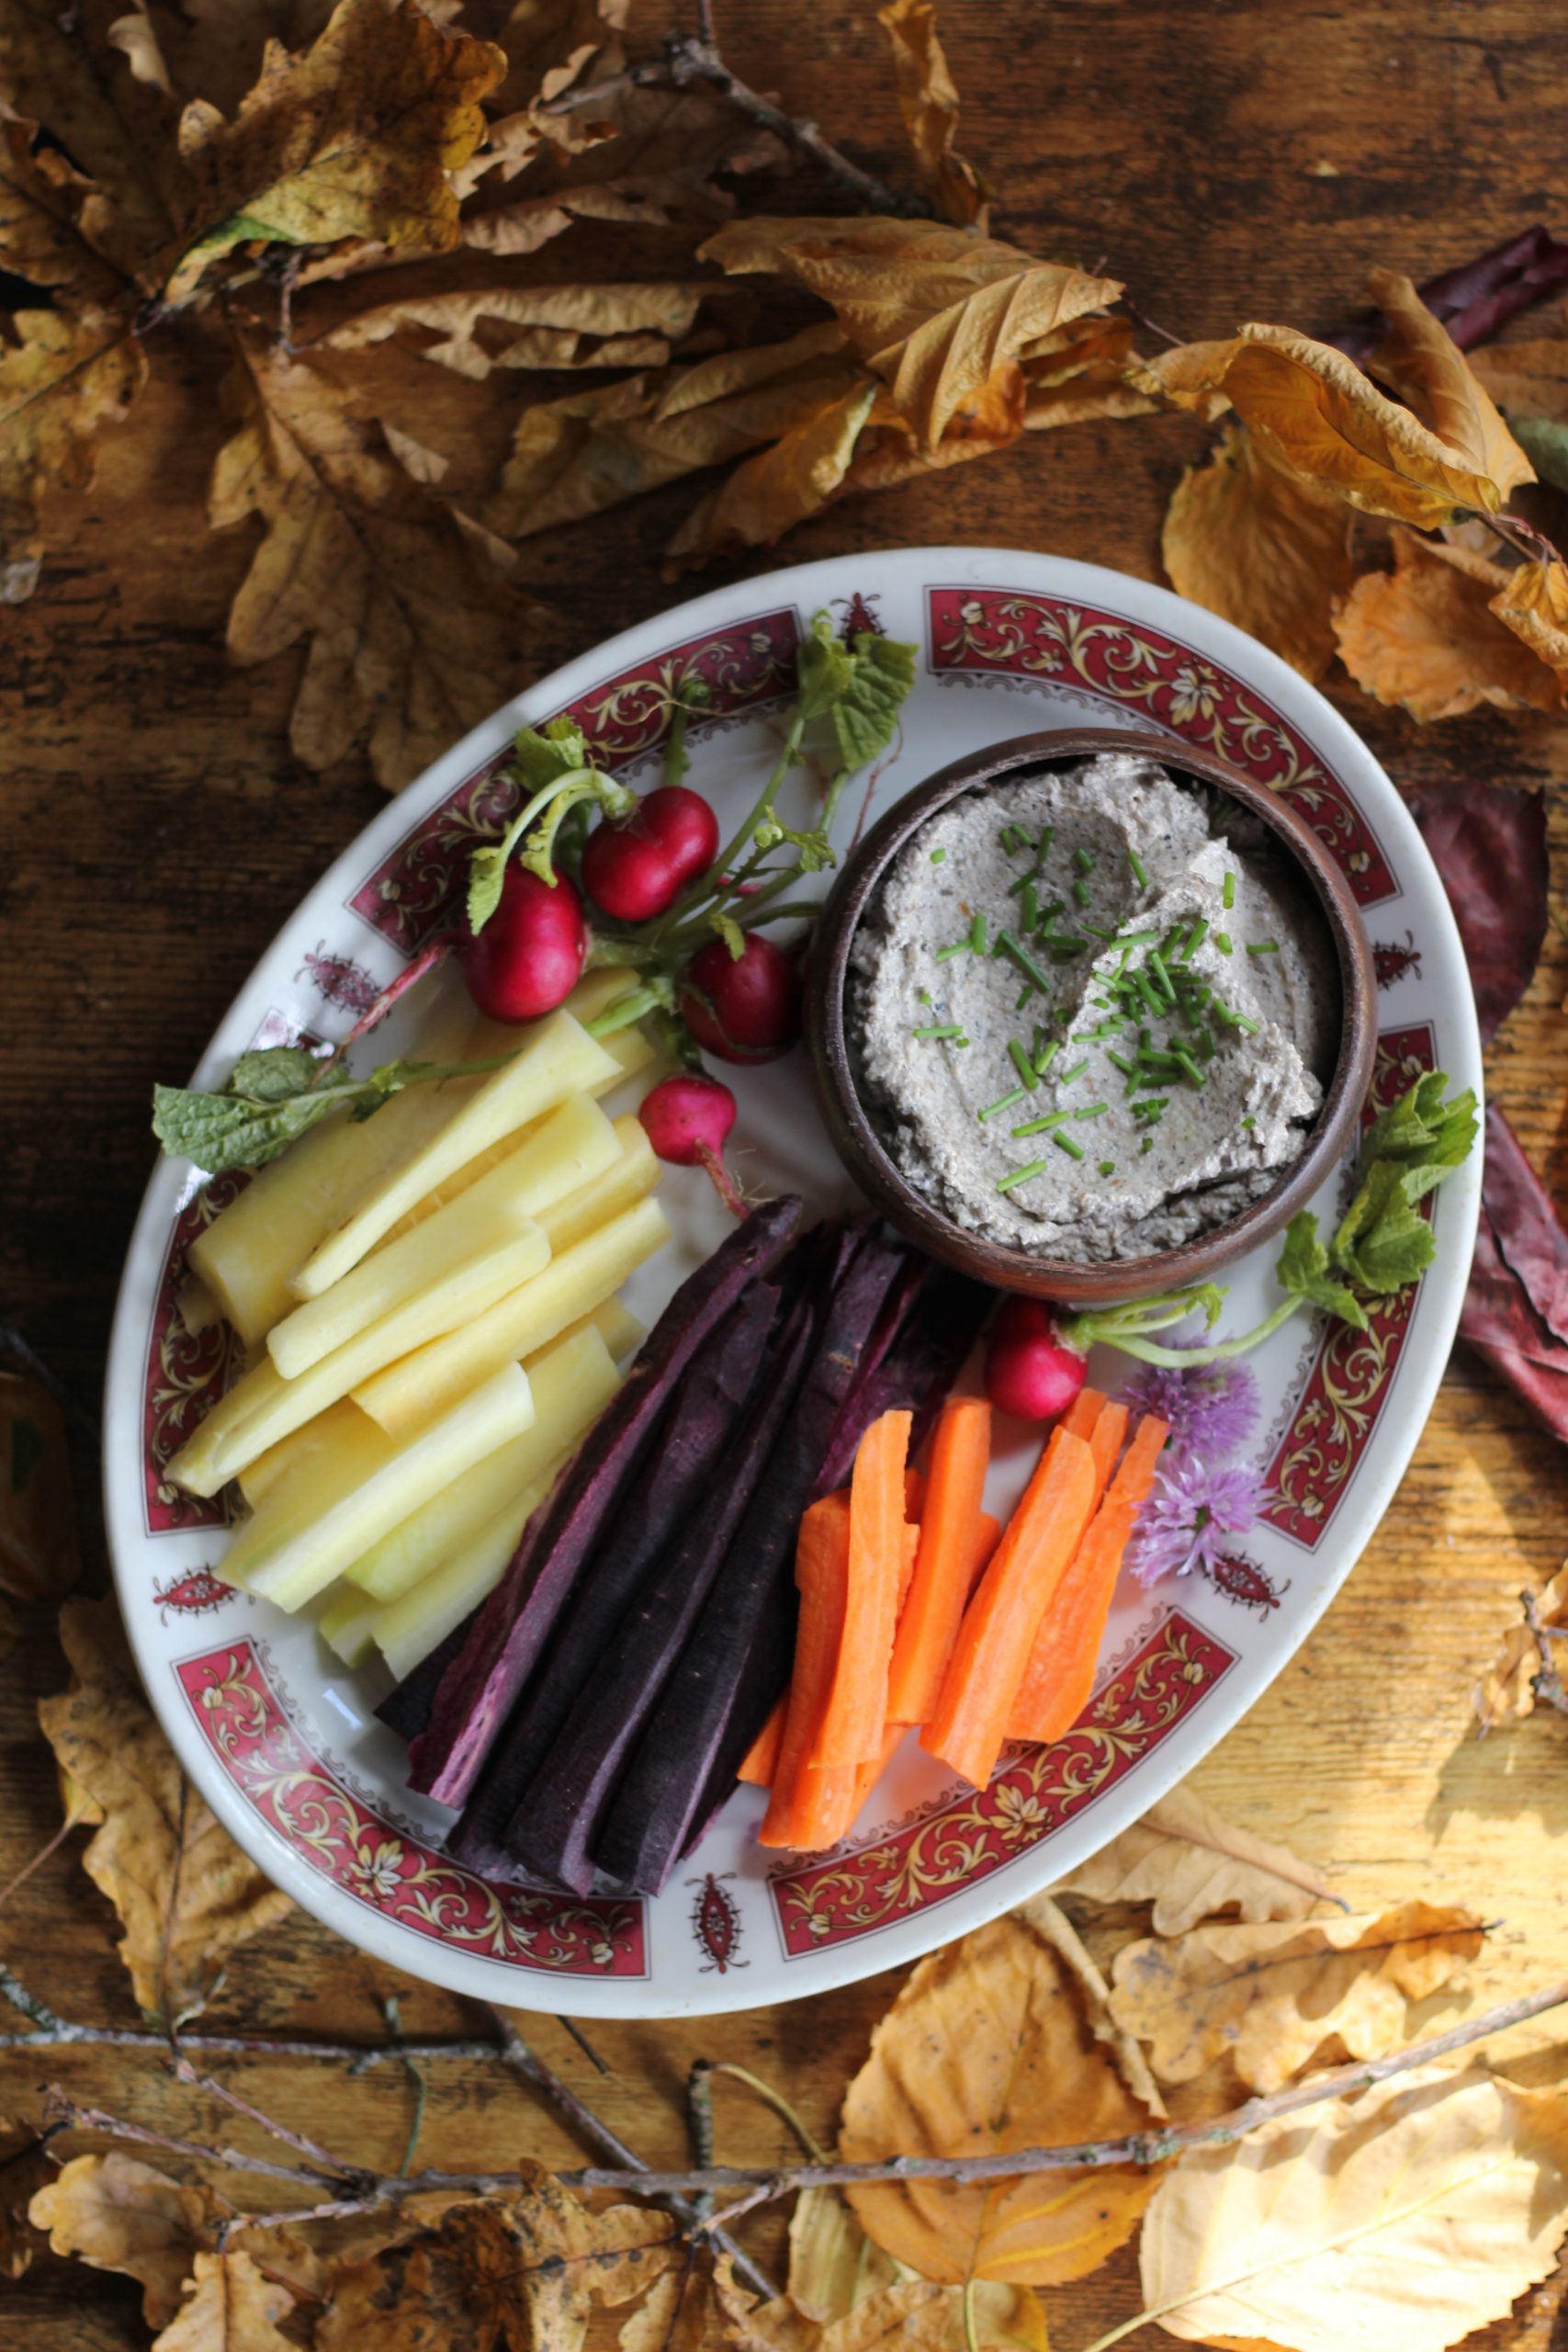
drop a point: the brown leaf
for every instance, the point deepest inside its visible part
(214, 49)
(24, 2167)
(546, 326)
(1533, 603)
(1247, 538)
(354, 139)
(114, 2214)
(407, 637)
(1407, 2217)
(990, 2047)
(234, 2308)
(1428, 369)
(112, 128)
(1431, 633)
(928, 99)
(1272, 1994)
(766, 495)
(40, 1557)
(935, 312)
(1191, 1863)
(185, 1892)
(1506, 1692)
(56, 227)
(61, 380)
(549, 45)
(907, 2311)
(833, 2264)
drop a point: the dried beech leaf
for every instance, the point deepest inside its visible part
(1431, 635)
(114, 2214)
(1192, 1864)
(767, 495)
(989, 2047)
(937, 312)
(1049, 1920)
(185, 1892)
(408, 639)
(1527, 378)
(1506, 1692)
(24, 2167)
(1247, 538)
(60, 380)
(40, 1556)
(682, 2312)
(356, 139)
(833, 2264)
(1271, 1993)
(234, 2308)
(906, 2313)
(928, 99)
(1533, 603)
(1410, 2216)
(545, 326)
(1428, 369)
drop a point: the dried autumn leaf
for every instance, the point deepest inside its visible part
(24, 2166)
(1247, 538)
(889, 451)
(1191, 1863)
(185, 1892)
(1428, 369)
(1516, 1303)
(1412, 2215)
(833, 2264)
(408, 637)
(233, 2308)
(549, 45)
(928, 99)
(354, 139)
(112, 128)
(40, 1557)
(989, 2048)
(1506, 1692)
(1491, 849)
(60, 380)
(768, 494)
(57, 229)
(1431, 635)
(908, 2313)
(1527, 378)
(114, 2214)
(1533, 603)
(935, 312)
(1272, 1992)
(546, 326)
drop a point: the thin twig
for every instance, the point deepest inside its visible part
(599, 2065)
(310, 2150)
(1547, 1682)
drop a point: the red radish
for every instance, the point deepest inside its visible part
(1029, 1370)
(687, 1118)
(530, 955)
(636, 868)
(743, 1007)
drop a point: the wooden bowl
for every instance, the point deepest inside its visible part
(1001, 1264)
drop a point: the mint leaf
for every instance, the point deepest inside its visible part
(861, 687)
(824, 668)
(1302, 1271)
(1422, 1132)
(1382, 1243)
(487, 872)
(273, 1073)
(221, 1132)
(544, 754)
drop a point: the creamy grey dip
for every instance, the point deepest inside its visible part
(1177, 1050)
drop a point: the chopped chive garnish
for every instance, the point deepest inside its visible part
(1025, 992)
(1203, 1044)
(1249, 1121)
(1190, 1067)
(1148, 1143)
(1095, 931)
(1064, 948)
(1042, 846)
(1008, 946)
(1195, 937)
(1021, 1175)
(1263, 947)
(1065, 1143)
(1077, 1070)
(1030, 906)
(1120, 1061)
(1044, 1127)
(1021, 881)
(937, 857)
(977, 934)
(1112, 1028)
(1084, 860)
(1157, 966)
(1002, 1102)
(1080, 890)
(1013, 841)
(1136, 863)
(1136, 938)
(958, 947)
(1227, 895)
(1223, 942)
(1108, 1167)
(1243, 1023)
(1044, 1059)
(939, 1029)
(1091, 1111)
(1022, 1064)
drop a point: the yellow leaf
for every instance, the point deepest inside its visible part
(547, 327)
(935, 312)
(1316, 412)
(1270, 1993)
(910, 2312)
(185, 1892)
(768, 494)
(1191, 1864)
(1533, 603)
(61, 379)
(833, 2264)
(40, 1557)
(24, 2166)
(1432, 635)
(1247, 538)
(233, 2308)
(928, 99)
(408, 637)
(1506, 1692)
(114, 2214)
(356, 139)
(1408, 2217)
(990, 2047)
(1425, 367)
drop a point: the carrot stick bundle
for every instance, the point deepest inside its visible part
(850, 1730)
(822, 1574)
(950, 1537)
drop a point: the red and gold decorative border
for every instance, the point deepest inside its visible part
(999, 630)
(386, 1870)
(186, 1373)
(837, 1901)
(1348, 1387)
(751, 661)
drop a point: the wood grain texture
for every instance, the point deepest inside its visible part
(1231, 162)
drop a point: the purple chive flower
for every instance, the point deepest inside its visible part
(1211, 1410)
(1194, 1511)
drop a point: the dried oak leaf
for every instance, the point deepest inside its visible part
(234, 2307)
(1412, 2215)
(549, 45)
(57, 229)
(928, 99)
(991, 2046)
(1429, 635)
(1515, 1304)
(769, 493)
(185, 1892)
(1272, 1992)
(1192, 1864)
(1253, 541)
(62, 378)
(24, 2167)
(936, 312)
(114, 2214)
(409, 637)
(59, 68)
(1491, 849)
(40, 1556)
(1506, 1692)
(541, 326)
(354, 139)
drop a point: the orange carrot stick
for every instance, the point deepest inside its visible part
(850, 1731)
(988, 1535)
(978, 1691)
(1060, 1673)
(1105, 1444)
(915, 1494)
(822, 1573)
(1082, 1414)
(950, 1534)
(761, 1760)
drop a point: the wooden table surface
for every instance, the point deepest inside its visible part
(1231, 161)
